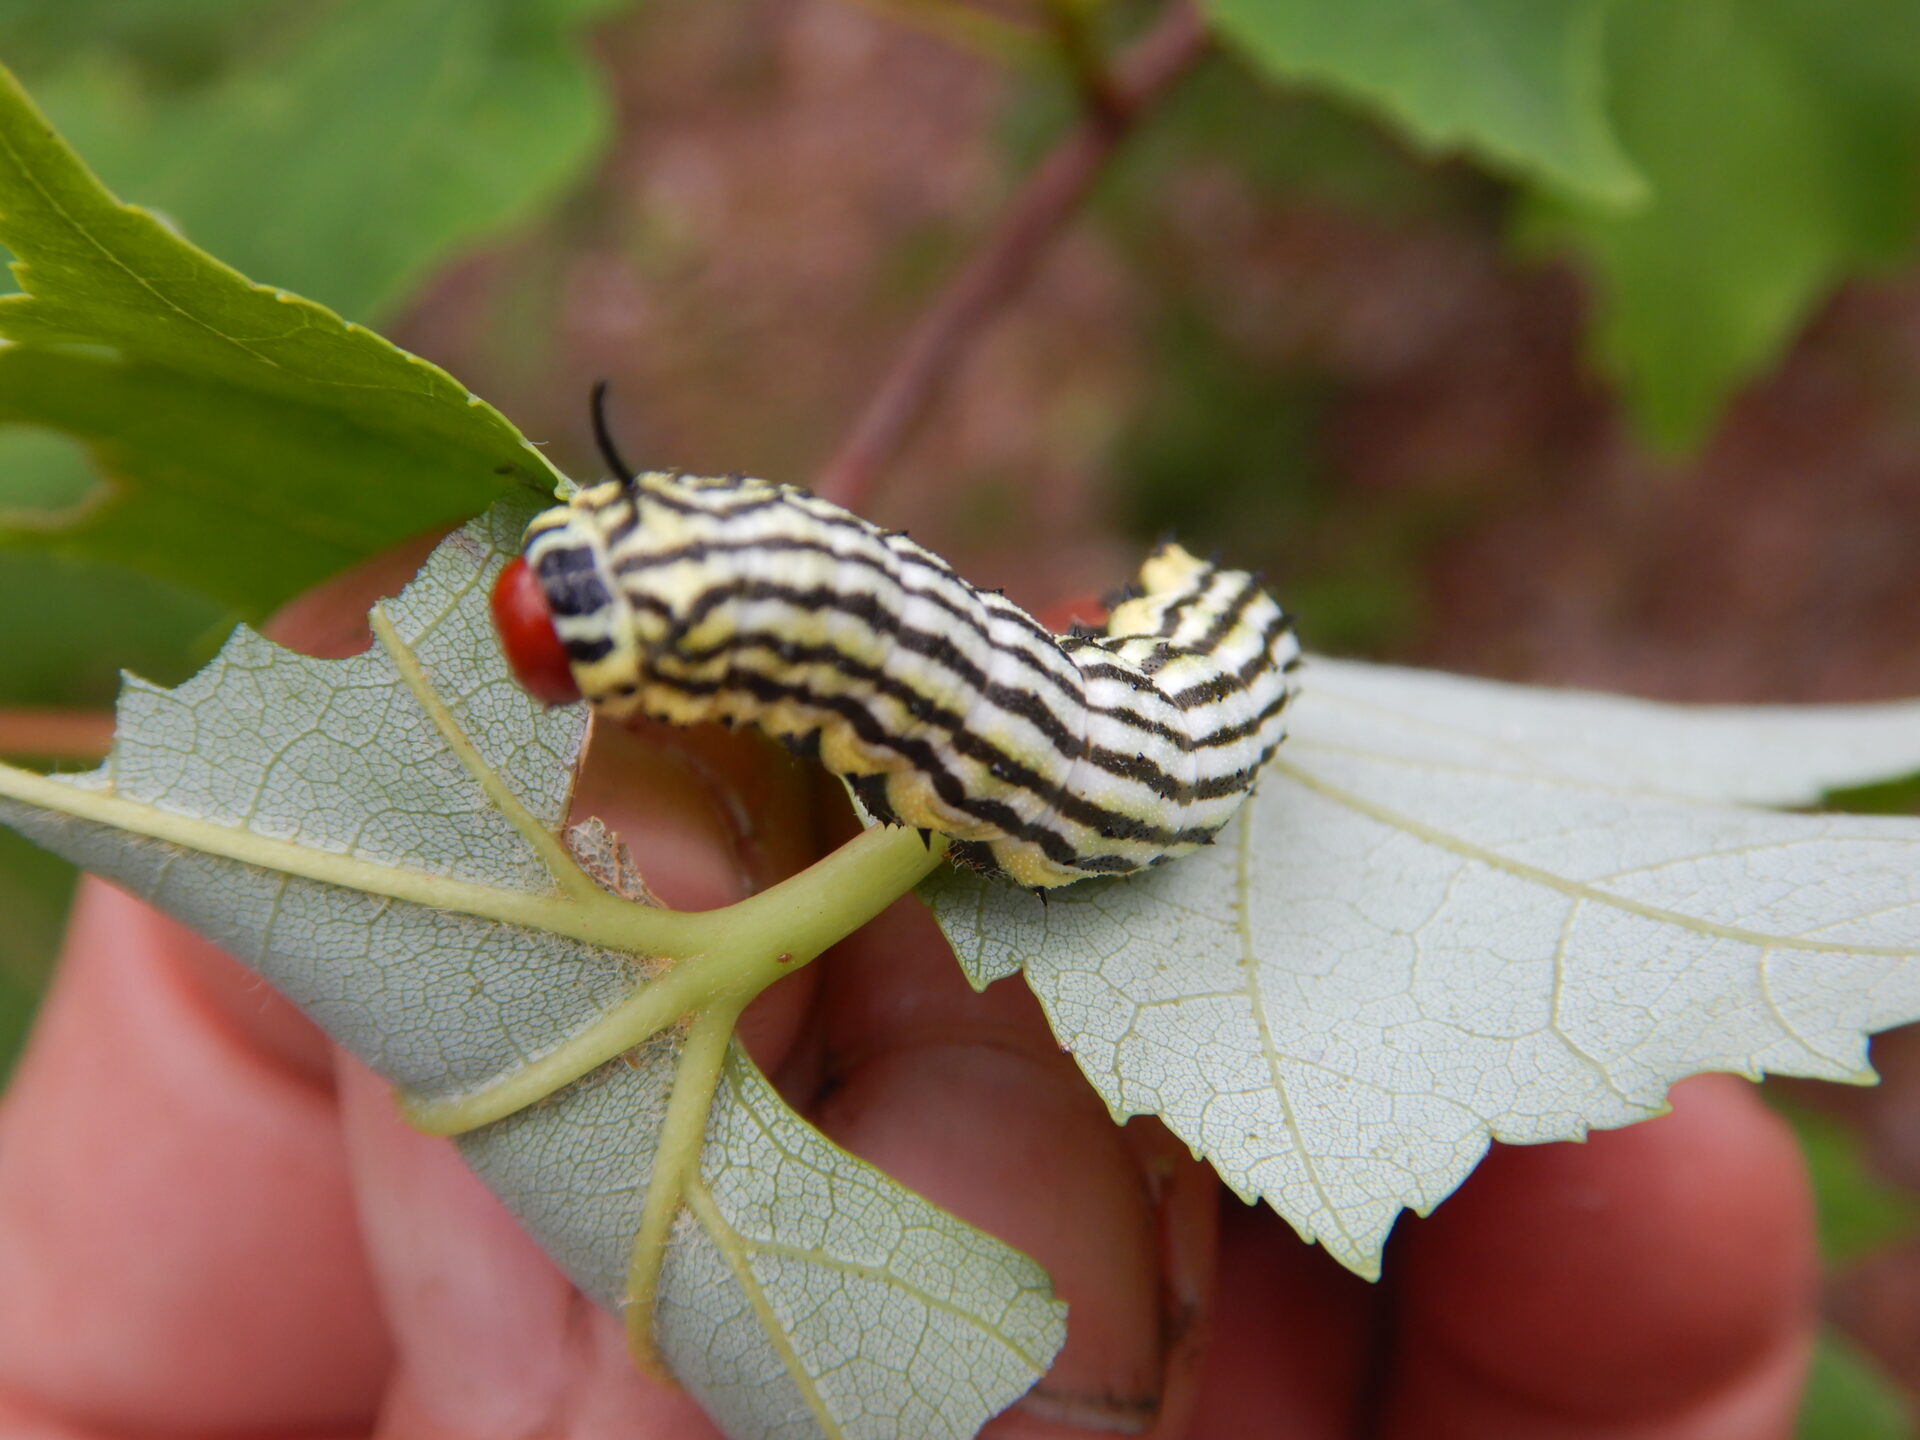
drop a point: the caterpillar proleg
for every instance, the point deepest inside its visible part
(949, 708)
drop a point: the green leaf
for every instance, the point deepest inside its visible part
(253, 442)
(1897, 796)
(357, 146)
(1781, 138)
(1849, 1397)
(379, 837)
(1517, 82)
(1457, 911)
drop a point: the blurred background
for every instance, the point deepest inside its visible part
(1569, 341)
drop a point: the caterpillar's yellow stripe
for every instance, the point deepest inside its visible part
(1051, 758)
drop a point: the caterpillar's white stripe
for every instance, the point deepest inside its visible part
(1049, 757)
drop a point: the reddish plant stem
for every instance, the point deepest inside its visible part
(1007, 256)
(56, 734)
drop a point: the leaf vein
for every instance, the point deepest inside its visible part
(1574, 889)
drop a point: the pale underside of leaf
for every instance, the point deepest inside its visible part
(1751, 754)
(375, 835)
(1459, 911)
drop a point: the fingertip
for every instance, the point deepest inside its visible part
(1629, 1276)
(478, 1312)
(990, 1135)
(177, 1238)
(1292, 1332)
(493, 1341)
(967, 1099)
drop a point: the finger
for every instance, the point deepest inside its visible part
(177, 1240)
(1657, 1281)
(967, 1099)
(1292, 1333)
(494, 1343)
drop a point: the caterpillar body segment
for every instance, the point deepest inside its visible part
(1051, 758)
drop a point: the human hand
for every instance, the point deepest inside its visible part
(211, 1223)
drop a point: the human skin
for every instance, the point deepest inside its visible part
(214, 1224)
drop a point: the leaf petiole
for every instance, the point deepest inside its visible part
(731, 956)
(675, 1163)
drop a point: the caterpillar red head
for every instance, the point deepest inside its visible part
(523, 601)
(532, 646)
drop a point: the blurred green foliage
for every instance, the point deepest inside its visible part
(1782, 138)
(53, 656)
(1849, 1397)
(1716, 165)
(35, 889)
(1225, 453)
(1899, 796)
(1859, 1212)
(1518, 82)
(340, 150)
(1228, 445)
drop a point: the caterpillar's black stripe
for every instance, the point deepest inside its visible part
(926, 758)
(926, 643)
(954, 726)
(1211, 689)
(792, 545)
(586, 652)
(1248, 591)
(950, 708)
(1018, 702)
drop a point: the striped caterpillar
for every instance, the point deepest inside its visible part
(949, 708)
